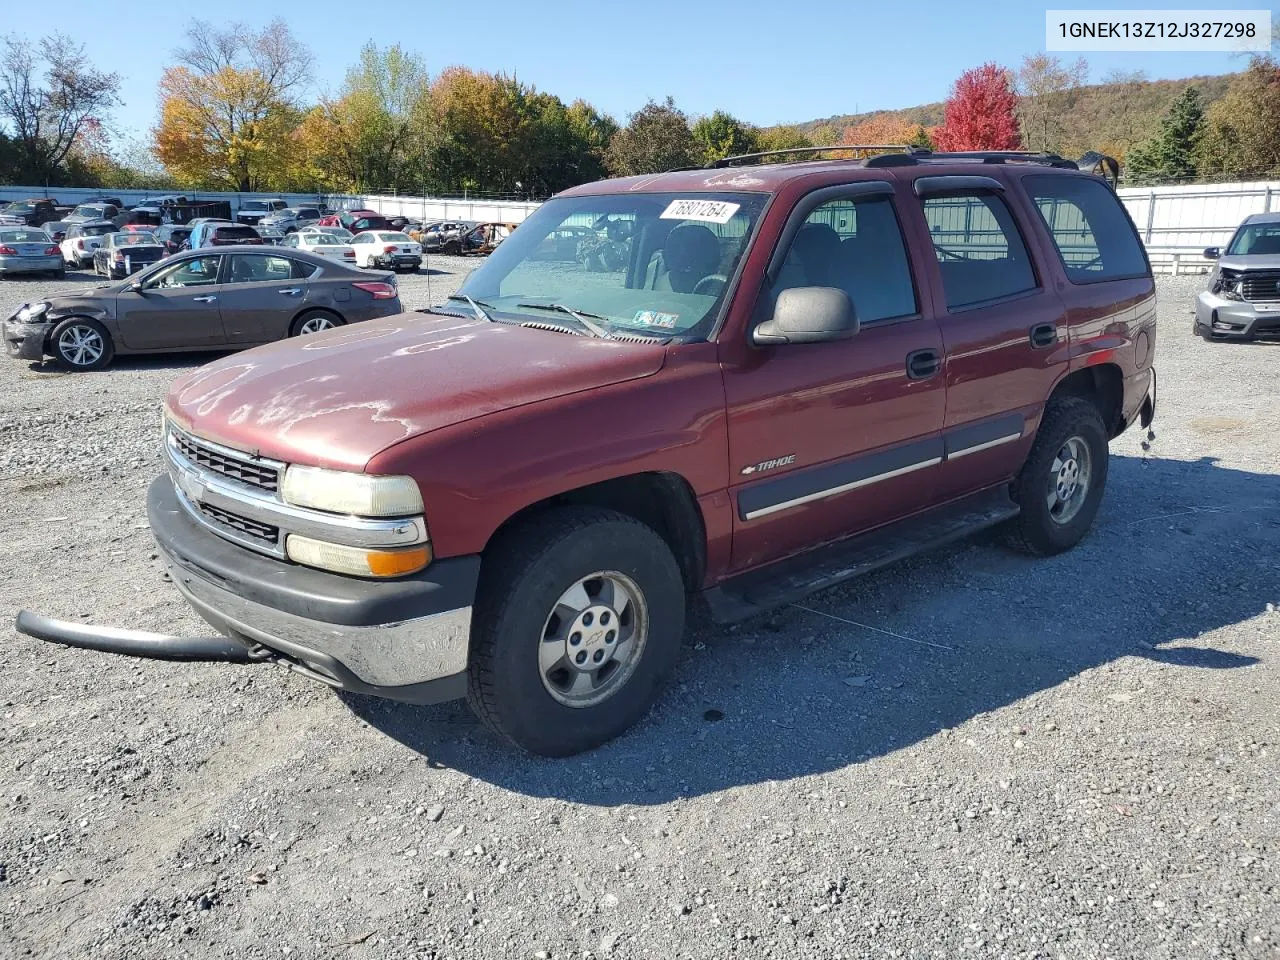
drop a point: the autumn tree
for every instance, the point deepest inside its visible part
(1044, 87)
(1241, 136)
(981, 112)
(228, 109)
(50, 96)
(656, 138)
(882, 129)
(781, 138)
(1169, 154)
(721, 135)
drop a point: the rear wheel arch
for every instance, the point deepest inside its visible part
(663, 501)
(1103, 386)
(302, 315)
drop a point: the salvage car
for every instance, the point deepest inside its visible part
(290, 219)
(1241, 298)
(83, 239)
(32, 212)
(56, 229)
(252, 211)
(203, 300)
(485, 237)
(126, 252)
(444, 236)
(92, 212)
(29, 250)
(334, 242)
(220, 233)
(387, 250)
(807, 371)
(173, 237)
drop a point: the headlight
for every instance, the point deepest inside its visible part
(1227, 286)
(353, 493)
(32, 312)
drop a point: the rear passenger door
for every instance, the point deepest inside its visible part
(261, 294)
(831, 439)
(1003, 328)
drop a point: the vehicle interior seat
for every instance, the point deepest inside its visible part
(811, 261)
(242, 270)
(691, 252)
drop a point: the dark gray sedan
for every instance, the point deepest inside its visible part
(202, 300)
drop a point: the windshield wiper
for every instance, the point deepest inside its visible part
(479, 310)
(578, 315)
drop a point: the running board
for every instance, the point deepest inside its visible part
(787, 581)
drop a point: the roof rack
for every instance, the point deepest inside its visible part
(787, 151)
(914, 155)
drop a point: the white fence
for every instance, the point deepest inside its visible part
(431, 208)
(1177, 223)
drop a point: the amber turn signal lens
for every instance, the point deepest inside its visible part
(397, 564)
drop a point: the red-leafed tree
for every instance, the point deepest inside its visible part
(980, 113)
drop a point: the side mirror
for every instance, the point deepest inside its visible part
(1212, 253)
(808, 315)
(136, 286)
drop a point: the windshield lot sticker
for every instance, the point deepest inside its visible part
(652, 318)
(708, 211)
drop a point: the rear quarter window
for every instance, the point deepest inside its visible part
(1093, 235)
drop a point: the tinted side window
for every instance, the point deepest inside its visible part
(856, 245)
(980, 252)
(1089, 228)
(257, 267)
(302, 271)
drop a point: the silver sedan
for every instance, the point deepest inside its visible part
(29, 250)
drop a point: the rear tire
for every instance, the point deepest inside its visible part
(1060, 486)
(578, 622)
(314, 321)
(81, 345)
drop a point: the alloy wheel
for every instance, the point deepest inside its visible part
(593, 639)
(80, 345)
(315, 325)
(1070, 477)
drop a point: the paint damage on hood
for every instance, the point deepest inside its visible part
(335, 399)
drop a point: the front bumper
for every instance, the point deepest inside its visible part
(1236, 319)
(404, 639)
(24, 341)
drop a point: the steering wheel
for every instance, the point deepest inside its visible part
(709, 281)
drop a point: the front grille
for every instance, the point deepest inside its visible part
(259, 531)
(243, 470)
(1260, 285)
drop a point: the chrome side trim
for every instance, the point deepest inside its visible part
(199, 487)
(842, 488)
(978, 447)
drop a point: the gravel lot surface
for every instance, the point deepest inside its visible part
(970, 754)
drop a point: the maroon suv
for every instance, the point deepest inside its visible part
(801, 371)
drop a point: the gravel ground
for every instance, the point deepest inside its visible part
(970, 754)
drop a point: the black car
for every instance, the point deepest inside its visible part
(217, 298)
(124, 253)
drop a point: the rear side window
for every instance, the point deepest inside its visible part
(980, 252)
(1089, 227)
(236, 233)
(854, 244)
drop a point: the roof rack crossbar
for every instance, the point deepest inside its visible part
(787, 151)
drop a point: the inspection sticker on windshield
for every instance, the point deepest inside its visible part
(710, 211)
(652, 318)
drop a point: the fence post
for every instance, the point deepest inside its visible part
(1266, 203)
(1151, 214)
(1177, 258)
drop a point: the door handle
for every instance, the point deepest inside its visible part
(203, 299)
(1044, 335)
(923, 364)
(291, 292)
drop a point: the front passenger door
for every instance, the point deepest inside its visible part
(832, 439)
(176, 307)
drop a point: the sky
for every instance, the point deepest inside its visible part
(764, 62)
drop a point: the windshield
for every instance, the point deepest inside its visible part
(656, 264)
(19, 208)
(1254, 239)
(86, 210)
(254, 205)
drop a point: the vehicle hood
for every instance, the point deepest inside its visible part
(338, 398)
(1260, 261)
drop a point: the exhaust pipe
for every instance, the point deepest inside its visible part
(133, 643)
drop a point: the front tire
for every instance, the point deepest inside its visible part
(80, 345)
(1060, 486)
(577, 623)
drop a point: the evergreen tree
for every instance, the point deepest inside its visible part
(1169, 154)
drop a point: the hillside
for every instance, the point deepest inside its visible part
(1113, 116)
